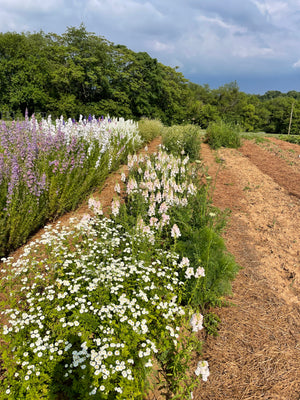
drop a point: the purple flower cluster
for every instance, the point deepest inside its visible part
(29, 156)
(47, 168)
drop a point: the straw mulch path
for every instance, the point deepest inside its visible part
(257, 353)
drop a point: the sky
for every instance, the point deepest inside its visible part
(214, 42)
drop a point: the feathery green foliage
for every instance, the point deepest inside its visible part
(183, 139)
(150, 129)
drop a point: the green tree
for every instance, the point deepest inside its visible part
(279, 109)
(24, 71)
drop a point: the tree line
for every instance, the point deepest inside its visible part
(79, 72)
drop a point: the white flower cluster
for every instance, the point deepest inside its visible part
(103, 130)
(163, 182)
(68, 288)
(203, 370)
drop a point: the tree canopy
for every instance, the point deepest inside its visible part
(79, 72)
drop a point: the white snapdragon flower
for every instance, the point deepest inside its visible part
(202, 369)
(117, 188)
(123, 177)
(196, 322)
(115, 207)
(200, 272)
(175, 232)
(95, 205)
(189, 272)
(185, 262)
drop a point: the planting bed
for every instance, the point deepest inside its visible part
(256, 355)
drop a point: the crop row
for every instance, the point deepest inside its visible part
(47, 168)
(106, 306)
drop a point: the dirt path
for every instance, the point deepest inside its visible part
(257, 355)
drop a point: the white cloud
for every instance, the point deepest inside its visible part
(161, 47)
(253, 51)
(19, 6)
(296, 64)
(120, 8)
(222, 24)
(270, 7)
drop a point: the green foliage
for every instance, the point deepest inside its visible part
(105, 298)
(221, 134)
(150, 129)
(201, 226)
(79, 72)
(183, 139)
(211, 323)
(173, 364)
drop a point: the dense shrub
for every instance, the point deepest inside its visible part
(185, 139)
(221, 134)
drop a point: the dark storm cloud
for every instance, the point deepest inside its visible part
(209, 40)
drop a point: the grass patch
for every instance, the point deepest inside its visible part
(290, 138)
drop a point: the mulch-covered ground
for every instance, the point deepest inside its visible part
(257, 353)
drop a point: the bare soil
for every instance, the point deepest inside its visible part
(257, 353)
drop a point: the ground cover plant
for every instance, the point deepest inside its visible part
(48, 167)
(90, 308)
(290, 138)
(223, 134)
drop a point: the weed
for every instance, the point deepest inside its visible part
(246, 188)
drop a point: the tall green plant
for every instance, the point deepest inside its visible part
(222, 134)
(150, 129)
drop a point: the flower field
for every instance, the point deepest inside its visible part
(106, 306)
(47, 168)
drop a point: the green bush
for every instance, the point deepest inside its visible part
(150, 129)
(183, 138)
(221, 134)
